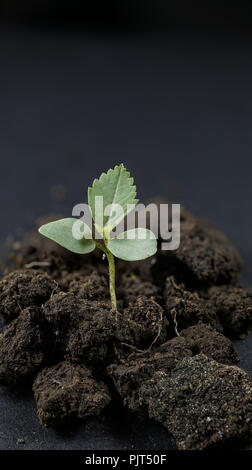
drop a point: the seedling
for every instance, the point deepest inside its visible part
(118, 194)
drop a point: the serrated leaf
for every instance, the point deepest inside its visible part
(61, 232)
(133, 245)
(116, 188)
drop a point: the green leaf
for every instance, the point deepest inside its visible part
(61, 231)
(116, 187)
(133, 245)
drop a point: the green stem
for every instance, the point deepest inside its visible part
(111, 263)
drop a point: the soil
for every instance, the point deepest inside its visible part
(197, 410)
(186, 307)
(233, 305)
(128, 376)
(25, 346)
(68, 391)
(21, 289)
(166, 353)
(204, 338)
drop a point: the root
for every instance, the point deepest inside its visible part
(140, 351)
(55, 288)
(35, 264)
(145, 351)
(174, 315)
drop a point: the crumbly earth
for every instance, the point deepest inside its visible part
(59, 324)
(205, 339)
(132, 286)
(150, 318)
(103, 336)
(93, 287)
(201, 403)
(71, 317)
(25, 346)
(66, 391)
(23, 288)
(205, 255)
(234, 308)
(95, 339)
(187, 308)
(129, 376)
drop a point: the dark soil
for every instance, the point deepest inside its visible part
(186, 307)
(128, 376)
(205, 339)
(201, 402)
(21, 289)
(25, 346)
(233, 305)
(166, 352)
(68, 391)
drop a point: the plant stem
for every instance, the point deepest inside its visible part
(111, 263)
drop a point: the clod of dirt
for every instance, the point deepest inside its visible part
(234, 308)
(207, 252)
(205, 255)
(205, 339)
(72, 315)
(149, 316)
(132, 286)
(24, 288)
(66, 310)
(186, 308)
(201, 403)
(103, 335)
(24, 346)
(66, 278)
(61, 309)
(129, 376)
(93, 287)
(95, 338)
(66, 391)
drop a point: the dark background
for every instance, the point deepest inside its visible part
(164, 87)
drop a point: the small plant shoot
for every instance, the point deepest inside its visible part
(115, 192)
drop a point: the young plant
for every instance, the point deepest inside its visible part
(115, 192)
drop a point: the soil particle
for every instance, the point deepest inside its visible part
(66, 310)
(80, 275)
(66, 392)
(62, 310)
(201, 403)
(93, 287)
(24, 288)
(103, 335)
(234, 308)
(186, 307)
(203, 338)
(207, 252)
(24, 346)
(20, 441)
(72, 316)
(205, 255)
(93, 340)
(132, 286)
(130, 375)
(149, 316)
